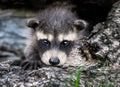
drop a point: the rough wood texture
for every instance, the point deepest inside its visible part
(106, 36)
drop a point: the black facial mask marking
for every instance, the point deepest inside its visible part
(44, 42)
(65, 43)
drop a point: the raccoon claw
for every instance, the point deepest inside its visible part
(31, 65)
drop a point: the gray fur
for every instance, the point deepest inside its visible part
(54, 21)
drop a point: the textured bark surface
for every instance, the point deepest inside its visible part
(106, 36)
(98, 59)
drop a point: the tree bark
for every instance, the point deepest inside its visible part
(106, 37)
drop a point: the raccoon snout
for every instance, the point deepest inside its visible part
(54, 61)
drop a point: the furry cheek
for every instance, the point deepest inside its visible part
(54, 53)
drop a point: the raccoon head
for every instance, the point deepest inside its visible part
(54, 45)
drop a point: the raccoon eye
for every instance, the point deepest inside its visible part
(45, 42)
(65, 43)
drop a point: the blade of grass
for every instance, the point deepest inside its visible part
(78, 74)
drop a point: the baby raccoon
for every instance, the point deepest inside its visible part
(54, 32)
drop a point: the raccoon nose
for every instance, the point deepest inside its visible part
(54, 61)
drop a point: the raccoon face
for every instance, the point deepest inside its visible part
(54, 46)
(54, 50)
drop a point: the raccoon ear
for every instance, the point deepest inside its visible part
(32, 23)
(80, 24)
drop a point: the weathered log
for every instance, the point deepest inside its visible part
(105, 37)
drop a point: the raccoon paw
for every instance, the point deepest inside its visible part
(31, 64)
